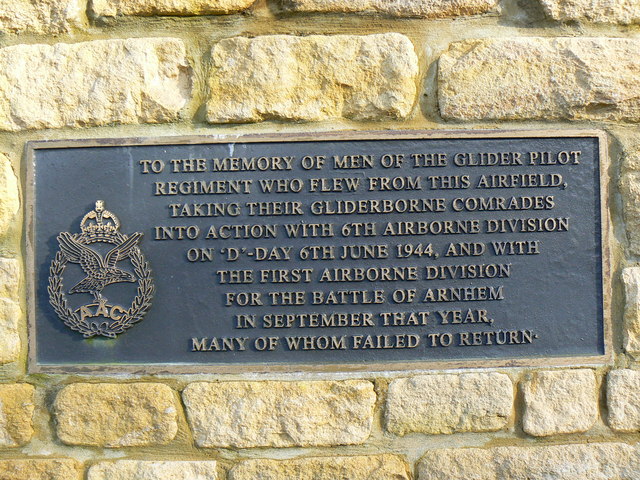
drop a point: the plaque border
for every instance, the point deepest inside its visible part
(251, 368)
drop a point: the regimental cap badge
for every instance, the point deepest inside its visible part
(119, 261)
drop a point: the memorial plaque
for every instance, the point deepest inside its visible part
(335, 251)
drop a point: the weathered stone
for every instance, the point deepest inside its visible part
(405, 8)
(630, 189)
(145, 470)
(470, 402)
(594, 461)
(60, 469)
(623, 400)
(312, 78)
(112, 8)
(41, 16)
(9, 278)
(631, 280)
(632, 159)
(137, 80)
(280, 414)
(541, 78)
(10, 313)
(374, 467)
(16, 414)
(599, 11)
(562, 401)
(9, 195)
(116, 414)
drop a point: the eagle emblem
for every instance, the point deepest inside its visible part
(105, 257)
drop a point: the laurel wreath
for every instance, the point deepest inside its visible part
(139, 307)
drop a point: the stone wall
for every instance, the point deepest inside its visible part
(130, 68)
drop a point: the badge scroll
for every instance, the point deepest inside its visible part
(100, 318)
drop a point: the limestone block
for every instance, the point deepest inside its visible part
(631, 280)
(9, 195)
(136, 80)
(593, 461)
(373, 467)
(41, 16)
(10, 313)
(146, 470)
(116, 414)
(600, 11)
(623, 400)
(470, 402)
(112, 8)
(280, 414)
(16, 414)
(541, 78)
(58, 469)
(317, 77)
(9, 278)
(563, 401)
(630, 189)
(405, 8)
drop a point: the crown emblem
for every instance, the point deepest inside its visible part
(100, 224)
(112, 264)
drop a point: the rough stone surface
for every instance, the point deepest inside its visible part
(600, 11)
(16, 414)
(630, 189)
(41, 16)
(111, 8)
(623, 400)
(541, 78)
(9, 278)
(605, 461)
(280, 414)
(631, 280)
(136, 80)
(9, 195)
(116, 415)
(470, 402)
(60, 469)
(144, 470)
(404, 8)
(374, 467)
(312, 78)
(563, 401)
(10, 313)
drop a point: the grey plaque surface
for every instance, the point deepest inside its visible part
(344, 251)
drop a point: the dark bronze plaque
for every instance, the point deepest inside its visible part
(382, 250)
